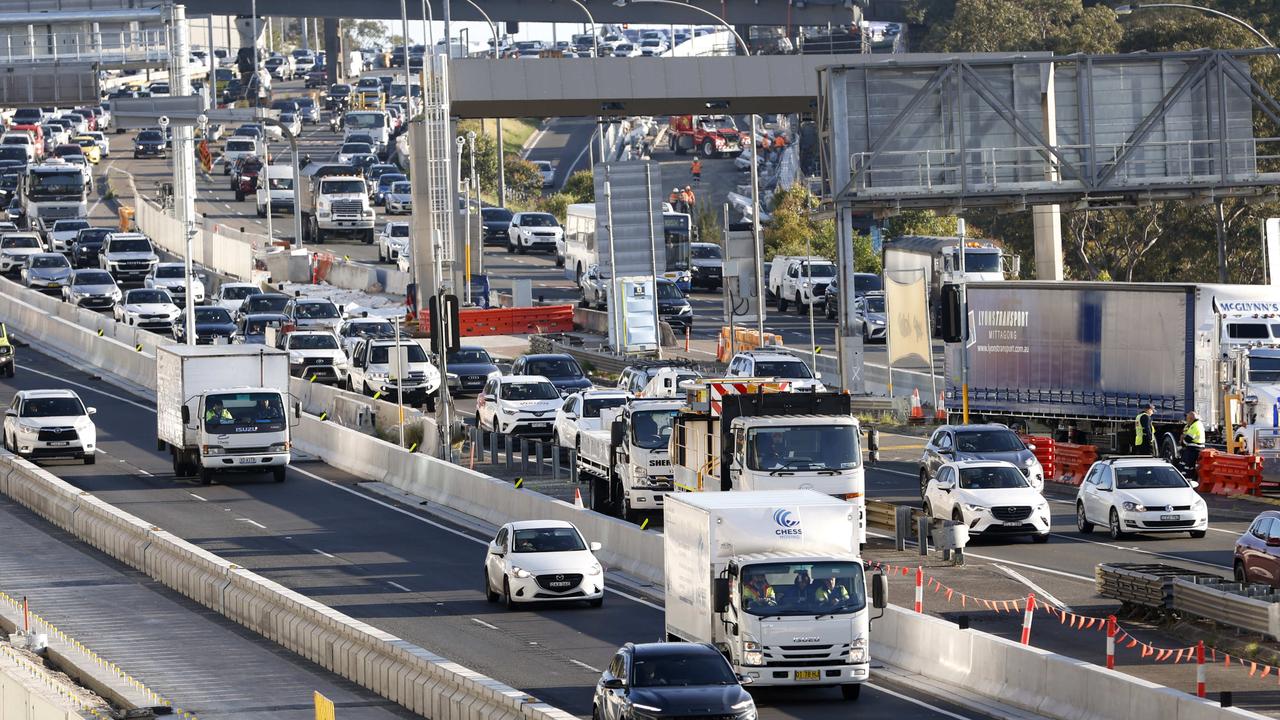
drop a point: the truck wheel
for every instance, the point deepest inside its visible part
(850, 692)
(161, 445)
(676, 147)
(431, 403)
(709, 149)
(206, 476)
(368, 236)
(800, 308)
(277, 474)
(598, 493)
(782, 303)
(90, 459)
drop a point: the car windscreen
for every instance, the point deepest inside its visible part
(803, 448)
(280, 183)
(985, 441)
(369, 329)
(554, 368)
(241, 146)
(555, 539)
(93, 235)
(137, 245)
(213, 315)
(818, 270)
(681, 670)
(319, 341)
(316, 311)
(706, 252)
(399, 230)
(150, 136)
(795, 369)
(142, 297)
(238, 292)
(401, 188)
(169, 271)
(381, 354)
(669, 291)
(49, 261)
(875, 305)
(246, 412)
(389, 179)
(495, 214)
(69, 225)
(591, 407)
(538, 220)
(808, 588)
(95, 277)
(259, 326)
(52, 407)
(262, 303)
(18, 242)
(529, 391)
(365, 121)
(1148, 476)
(991, 478)
(468, 357)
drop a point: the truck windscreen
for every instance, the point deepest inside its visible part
(1264, 369)
(803, 448)
(46, 184)
(245, 412)
(812, 588)
(981, 261)
(651, 429)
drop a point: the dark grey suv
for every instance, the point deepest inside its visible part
(654, 681)
(979, 442)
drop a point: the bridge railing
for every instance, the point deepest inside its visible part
(104, 47)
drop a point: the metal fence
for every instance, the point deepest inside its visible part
(106, 48)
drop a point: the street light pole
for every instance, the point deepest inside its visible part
(1130, 7)
(502, 168)
(755, 161)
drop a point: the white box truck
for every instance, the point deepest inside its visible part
(224, 408)
(774, 580)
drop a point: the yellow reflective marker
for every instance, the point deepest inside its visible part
(519, 482)
(324, 707)
(138, 347)
(323, 415)
(413, 447)
(817, 350)
(99, 332)
(377, 395)
(347, 258)
(313, 379)
(644, 524)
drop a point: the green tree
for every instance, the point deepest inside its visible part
(793, 230)
(486, 158)
(522, 177)
(923, 222)
(364, 33)
(1060, 26)
(557, 204)
(581, 187)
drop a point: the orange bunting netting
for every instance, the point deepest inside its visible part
(1124, 639)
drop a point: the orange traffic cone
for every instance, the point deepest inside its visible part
(917, 411)
(577, 499)
(941, 413)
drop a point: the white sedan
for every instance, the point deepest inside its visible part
(231, 294)
(991, 497)
(581, 411)
(542, 561)
(148, 308)
(50, 423)
(1139, 495)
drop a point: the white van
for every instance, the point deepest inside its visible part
(374, 122)
(278, 187)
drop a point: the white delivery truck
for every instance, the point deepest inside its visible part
(753, 434)
(224, 408)
(628, 460)
(774, 580)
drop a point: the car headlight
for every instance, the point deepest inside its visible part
(686, 310)
(24, 427)
(647, 708)
(752, 654)
(520, 572)
(858, 651)
(974, 508)
(1198, 504)
(874, 321)
(116, 294)
(595, 570)
(1133, 506)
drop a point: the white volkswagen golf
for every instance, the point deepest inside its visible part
(1139, 495)
(542, 561)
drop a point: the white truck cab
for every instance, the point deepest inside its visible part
(628, 459)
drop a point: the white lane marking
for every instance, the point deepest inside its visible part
(315, 550)
(398, 586)
(90, 388)
(917, 701)
(255, 523)
(585, 666)
(1051, 571)
(1041, 592)
(1140, 551)
(482, 623)
(198, 497)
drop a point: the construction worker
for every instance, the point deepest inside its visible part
(757, 590)
(674, 197)
(1192, 442)
(687, 198)
(829, 592)
(780, 142)
(696, 169)
(1144, 436)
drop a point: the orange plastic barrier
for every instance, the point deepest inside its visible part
(536, 320)
(741, 339)
(321, 263)
(1045, 452)
(1072, 461)
(1223, 473)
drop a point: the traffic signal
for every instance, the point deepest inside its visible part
(949, 314)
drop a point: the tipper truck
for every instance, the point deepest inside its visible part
(773, 579)
(627, 460)
(937, 260)
(1080, 360)
(334, 200)
(224, 408)
(753, 434)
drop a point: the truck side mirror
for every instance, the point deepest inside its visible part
(879, 591)
(720, 594)
(186, 415)
(297, 410)
(617, 433)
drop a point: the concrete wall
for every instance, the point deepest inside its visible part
(216, 251)
(27, 692)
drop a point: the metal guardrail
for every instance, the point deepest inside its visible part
(882, 514)
(1249, 607)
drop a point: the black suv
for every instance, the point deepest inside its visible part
(652, 681)
(562, 370)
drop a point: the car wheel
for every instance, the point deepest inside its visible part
(506, 594)
(924, 481)
(510, 248)
(489, 594)
(850, 692)
(520, 248)
(382, 258)
(7, 446)
(1239, 573)
(829, 311)
(928, 509)
(1197, 534)
(1082, 523)
(957, 516)
(1113, 525)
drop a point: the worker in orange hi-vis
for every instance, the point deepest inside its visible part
(696, 169)
(780, 142)
(687, 197)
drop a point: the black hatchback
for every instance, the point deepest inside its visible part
(654, 681)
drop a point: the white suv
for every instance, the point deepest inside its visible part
(50, 423)
(518, 405)
(777, 365)
(392, 241)
(990, 497)
(535, 231)
(373, 371)
(1139, 495)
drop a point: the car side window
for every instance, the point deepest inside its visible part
(501, 539)
(793, 271)
(1104, 478)
(944, 476)
(1259, 527)
(1273, 530)
(1092, 477)
(568, 405)
(944, 440)
(617, 667)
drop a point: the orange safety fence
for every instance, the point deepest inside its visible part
(1072, 461)
(535, 320)
(321, 263)
(738, 339)
(1223, 473)
(1045, 452)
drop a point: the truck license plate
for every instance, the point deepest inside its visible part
(807, 675)
(246, 461)
(1170, 517)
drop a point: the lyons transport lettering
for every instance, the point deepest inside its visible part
(997, 326)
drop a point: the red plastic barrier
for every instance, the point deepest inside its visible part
(1072, 461)
(1044, 452)
(1227, 474)
(509, 321)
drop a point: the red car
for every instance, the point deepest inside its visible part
(1257, 554)
(244, 176)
